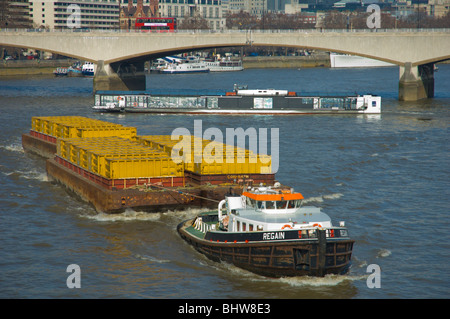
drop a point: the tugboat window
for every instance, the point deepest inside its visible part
(270, 204)
(261, 204)
(250, 202)
(281, 204)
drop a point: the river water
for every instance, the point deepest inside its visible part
(387, 176)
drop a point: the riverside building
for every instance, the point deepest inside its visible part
(83, 14)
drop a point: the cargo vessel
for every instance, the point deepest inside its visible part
(113, 168)
(240, 101)
(266, 230)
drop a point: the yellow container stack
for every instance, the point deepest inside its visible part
(116, 157)
(231, 160)
(116, 152)
(80, 127)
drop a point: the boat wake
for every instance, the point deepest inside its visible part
(320, 199)
(299, 281)
(128, 215)
(133, 215)
(328, 280)
(152, 259)
(33, 174)
(13, 148)
(382, 253)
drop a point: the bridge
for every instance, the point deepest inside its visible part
(120, 56)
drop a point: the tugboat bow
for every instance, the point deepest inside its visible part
(267, 231)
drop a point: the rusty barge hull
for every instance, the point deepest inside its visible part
(143, 196)
(117, 201)
(44, 147)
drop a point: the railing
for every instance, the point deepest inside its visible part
(305, 31)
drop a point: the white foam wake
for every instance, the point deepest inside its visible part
(133, 215)
(128, 215)
(320, 199)
(13, 148)
(328, 280)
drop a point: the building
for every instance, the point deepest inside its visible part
(84, 14)
(294, 7)
(254, 7)
(15, 14)
(438, 8)
(211, 10)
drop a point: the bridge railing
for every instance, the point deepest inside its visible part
(230, 31)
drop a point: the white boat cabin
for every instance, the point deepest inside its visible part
(267, 209)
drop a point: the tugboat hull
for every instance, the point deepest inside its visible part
(315, 255)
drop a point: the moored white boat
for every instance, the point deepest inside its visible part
(224, 65)
(88, 69)
(61, 71)
(189, 65)
(75, 70)
(268, 231)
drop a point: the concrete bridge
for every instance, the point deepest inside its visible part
(120, 56)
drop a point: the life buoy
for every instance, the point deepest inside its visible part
(317, 225)
(286, 226)
(134, 104)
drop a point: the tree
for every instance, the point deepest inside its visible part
(194, 23)
(242, 21)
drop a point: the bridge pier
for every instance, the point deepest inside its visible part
(416, 82)
(120, 76)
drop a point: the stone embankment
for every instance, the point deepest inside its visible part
(309, 61)
(46, 67)
(32, 67)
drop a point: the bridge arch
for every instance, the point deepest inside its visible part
(413, 51)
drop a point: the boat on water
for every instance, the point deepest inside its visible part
(75, 69)
(61, 71)
(88, 69)
(353, 61)
(188, 65)
(268, 231)
(240, 101)
(224, 65)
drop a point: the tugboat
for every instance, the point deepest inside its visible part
(267, 231)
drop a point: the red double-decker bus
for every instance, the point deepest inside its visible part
(156, 24)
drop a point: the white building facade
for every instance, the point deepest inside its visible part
(210, 10)
(67, 14)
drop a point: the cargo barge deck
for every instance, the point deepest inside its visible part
(241, 101)
(84, 158)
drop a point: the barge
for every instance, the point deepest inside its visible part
(240, 101)
(267, 231)
(113, 168)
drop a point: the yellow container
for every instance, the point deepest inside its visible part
(130, 156)
(77, 126)
(143, 167)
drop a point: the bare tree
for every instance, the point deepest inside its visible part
(194, 23)
(242, 21)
